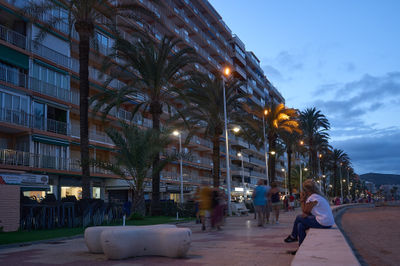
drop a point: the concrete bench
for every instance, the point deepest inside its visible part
(170, 242)
(326, 246)
(92, 234)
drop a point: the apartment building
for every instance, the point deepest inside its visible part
(39, 102)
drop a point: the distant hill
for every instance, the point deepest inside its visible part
(381, 179)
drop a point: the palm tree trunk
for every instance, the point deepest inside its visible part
(289, 154)
(84, 49)
(139, 205)
(156, 111)
(271, 158)
(334, 179)
(216, 160)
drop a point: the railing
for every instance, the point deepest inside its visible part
(22, 118)
(22, 158)
(15, 117)
(49, 89)
(257, 174)
(12, 37)
(50, 54)
(257, 161)
(12, 76)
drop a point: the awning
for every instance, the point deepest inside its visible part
(44, 139)
(27, 182)
(14, 57)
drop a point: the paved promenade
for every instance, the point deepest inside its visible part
(240, 242)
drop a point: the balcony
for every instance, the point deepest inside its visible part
(257, 161)
(12, 76)
(21, 158)
(24, 119)
(257, 174)
(12, 37)
(50, 125)
(50, 54)
(20, 118)
(49, 89)
(94, 135)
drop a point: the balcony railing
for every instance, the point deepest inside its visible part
(50, 54)
(12, 37)
(22, 118)
(10, 75)
(21, 158)
(15, 117)
(49, 89)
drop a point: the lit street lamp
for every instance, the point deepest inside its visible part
(176, 133)
(284, 171)
(227, 72)
(265, 147)
(244, 188)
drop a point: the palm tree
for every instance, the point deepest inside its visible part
(151, 69)
(338, 159)
(279, 119)
(291, 142)
(205, 110)
(135, 151)
(83, 16)
(313, 124)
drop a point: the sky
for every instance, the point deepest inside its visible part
(340, 56)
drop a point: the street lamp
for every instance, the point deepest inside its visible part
(227, 72)
(341, 183)
(240, 155)
(272, 152)
(176, 133)
(265, 147)
(284, 171)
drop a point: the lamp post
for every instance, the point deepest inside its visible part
(348, 182)
(227, 72)
(178, 134)
(265, 147)
(341, 184)
(284, 171)
(240, 155)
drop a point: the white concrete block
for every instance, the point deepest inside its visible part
(92, 234)
(169, 242)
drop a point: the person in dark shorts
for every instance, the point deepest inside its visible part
(275, 196)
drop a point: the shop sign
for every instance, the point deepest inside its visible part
(24, 179)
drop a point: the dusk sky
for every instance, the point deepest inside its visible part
(342, 57)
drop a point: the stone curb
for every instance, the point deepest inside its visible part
(328, 246)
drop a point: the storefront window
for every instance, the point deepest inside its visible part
(96, 192)
(71, 191)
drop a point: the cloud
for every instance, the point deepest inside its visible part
(378, 152)
(272, 73)
(288, 61)
(357, 98)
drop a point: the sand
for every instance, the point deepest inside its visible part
(374, 234)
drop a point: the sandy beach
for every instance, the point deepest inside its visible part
(374, 233)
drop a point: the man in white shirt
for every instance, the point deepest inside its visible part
(316, 213)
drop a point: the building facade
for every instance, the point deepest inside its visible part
(39, 101)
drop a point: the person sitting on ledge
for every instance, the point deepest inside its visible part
(316, 212)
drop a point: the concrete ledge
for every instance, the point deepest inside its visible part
(327, 246)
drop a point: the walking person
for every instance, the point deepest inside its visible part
(260, 200)
(268, 204)
(275, 195)
(316, 212)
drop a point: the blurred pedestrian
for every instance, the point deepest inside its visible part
(268, 204)
(205, 205)
(260, 201)
(275, 196)
(217, 213)
(291, 202)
